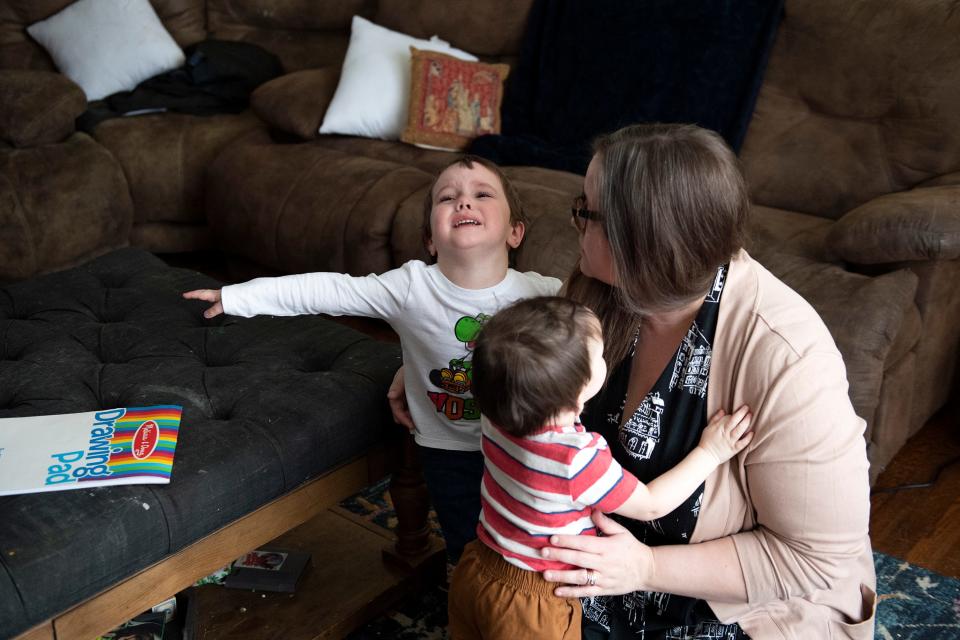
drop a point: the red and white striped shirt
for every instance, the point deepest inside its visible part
(544, 484)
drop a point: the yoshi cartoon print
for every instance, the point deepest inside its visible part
(453, 380)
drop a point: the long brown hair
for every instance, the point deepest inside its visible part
(674, 206)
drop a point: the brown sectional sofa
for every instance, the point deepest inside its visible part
(852, 157)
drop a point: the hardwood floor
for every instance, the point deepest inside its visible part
(922, 525)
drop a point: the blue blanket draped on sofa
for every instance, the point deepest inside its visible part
(591, 67)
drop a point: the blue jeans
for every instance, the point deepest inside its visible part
(453, 480)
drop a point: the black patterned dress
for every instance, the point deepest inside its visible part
(663, 430)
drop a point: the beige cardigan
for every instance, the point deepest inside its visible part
(796, 502)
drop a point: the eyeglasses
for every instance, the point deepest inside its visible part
(580, 214)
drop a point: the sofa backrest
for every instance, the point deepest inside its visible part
(315, 33)
(302, 33)
(184, 19)
(492, 30)
(861, 98)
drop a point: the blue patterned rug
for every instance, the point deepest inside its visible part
(914, 604)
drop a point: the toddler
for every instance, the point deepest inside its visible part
(535, 365)
(472, 221)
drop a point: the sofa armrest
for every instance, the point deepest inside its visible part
(296, 102)
(921, 224)
(38, 107)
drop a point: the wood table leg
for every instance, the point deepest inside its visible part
(411, 502)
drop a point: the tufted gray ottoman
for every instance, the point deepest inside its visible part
(277, 416)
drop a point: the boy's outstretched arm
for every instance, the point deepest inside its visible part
(210, 295)
(724, 437)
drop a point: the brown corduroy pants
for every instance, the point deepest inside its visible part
(491, 599)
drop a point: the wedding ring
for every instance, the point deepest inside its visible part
(591, 578)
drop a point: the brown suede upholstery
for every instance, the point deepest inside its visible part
(502, 21)
(17, 49)
(302, 33)
(775, 230)
(920, 224)
(296, 102)
(345, 204)
(305, 208)
(860, 99)
(858, 121)
(167, 183)
(186, 20)
(166, 187)
(429, 160)
(40, 107)
(938, 300)
(45, 191)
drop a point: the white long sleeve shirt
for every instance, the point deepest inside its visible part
(436, 320)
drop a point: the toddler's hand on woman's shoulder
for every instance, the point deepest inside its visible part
(209, 295)
(726, 435)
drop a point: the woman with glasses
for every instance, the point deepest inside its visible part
(774, 544)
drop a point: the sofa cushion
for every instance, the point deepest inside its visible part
(429, 160)
(60, 204)
(185, 20)
(268, 404)
(38, 107)
(846, 115)
(773, 231)
(167, 183)
(920, 224)
(908, 337)
(452, 101)
(17, 49)
(302, 207)
(355, 205)
(107, 46)
(374, 90)
(295, 102)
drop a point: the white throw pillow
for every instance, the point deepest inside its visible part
(374, 89)
(107, 46)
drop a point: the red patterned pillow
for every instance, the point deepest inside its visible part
(452, 101)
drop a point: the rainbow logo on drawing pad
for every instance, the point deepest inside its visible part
(143, 442)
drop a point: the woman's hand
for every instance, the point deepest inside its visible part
(616, 563)
(209, 295)
(397, 397)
